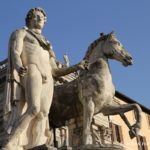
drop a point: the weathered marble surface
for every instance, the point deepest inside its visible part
(93, 91)
(43, 147)
(65, 148)
(30, 82)
(31, 71)
(96, 147)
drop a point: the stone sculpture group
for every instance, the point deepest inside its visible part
(32, 70)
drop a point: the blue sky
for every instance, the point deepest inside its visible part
(73, 24)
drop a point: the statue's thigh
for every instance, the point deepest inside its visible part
(33, 87)
(46, 97)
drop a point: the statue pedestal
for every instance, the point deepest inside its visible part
(43, 147)
(97, 147)
(3, 138)
(65, 148)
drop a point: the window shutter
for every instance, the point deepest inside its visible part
(141, 141)
(114, 138)
(148, 119)
(121, 134)
(145, 144)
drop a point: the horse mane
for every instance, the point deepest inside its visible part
(94, 44)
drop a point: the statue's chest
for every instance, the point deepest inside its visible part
(30, 39)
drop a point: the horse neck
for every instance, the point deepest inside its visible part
(103, 68)
(96, 53)
(99, 66)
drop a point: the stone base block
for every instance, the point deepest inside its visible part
(43, 147)
(65, 148)
(3, 138)
(98, 147)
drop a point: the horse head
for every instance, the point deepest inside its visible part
(108, 46)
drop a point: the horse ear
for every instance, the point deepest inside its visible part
(112, 33)
(102, 34)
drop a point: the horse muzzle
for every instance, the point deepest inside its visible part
(127, 61)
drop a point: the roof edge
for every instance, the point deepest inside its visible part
(3, 61)
(129, 100)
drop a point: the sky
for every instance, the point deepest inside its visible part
(73, 24)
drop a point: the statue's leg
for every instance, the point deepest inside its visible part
(49, 133)
(41, 132)
(33, 88)
(114, 109)
(88, 111)
(38, 129)
(41, 124)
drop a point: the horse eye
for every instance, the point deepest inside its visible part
(118, 43)
(115, 42)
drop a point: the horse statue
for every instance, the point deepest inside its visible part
(93, 91)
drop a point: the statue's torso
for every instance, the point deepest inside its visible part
(33, 53)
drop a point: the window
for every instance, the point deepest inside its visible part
(117, 135)
(148, 119)
(141, 141)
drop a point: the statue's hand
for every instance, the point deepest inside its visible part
(22, 71)
(83, 64)
(62, 80)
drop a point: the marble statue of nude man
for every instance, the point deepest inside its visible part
(32, 68)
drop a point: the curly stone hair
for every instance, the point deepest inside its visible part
(31, 13)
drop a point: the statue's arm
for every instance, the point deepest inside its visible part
(57, 72)
(16, 47)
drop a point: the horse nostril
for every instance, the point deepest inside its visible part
(129, 57)
(128, 61)
(131, 61)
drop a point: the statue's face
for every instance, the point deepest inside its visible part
(38, 20)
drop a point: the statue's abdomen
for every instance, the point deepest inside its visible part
(35, 54)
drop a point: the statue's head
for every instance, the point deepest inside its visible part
(34, 14)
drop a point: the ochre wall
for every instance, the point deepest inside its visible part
(131, 144)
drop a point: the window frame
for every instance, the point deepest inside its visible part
(141, 142)
(117, 132)
(148, 119)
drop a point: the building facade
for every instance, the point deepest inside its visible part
(120, 130)
(104, 129)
